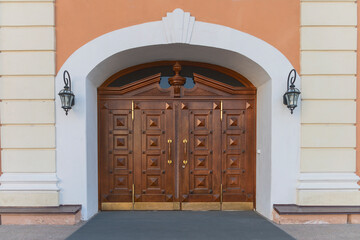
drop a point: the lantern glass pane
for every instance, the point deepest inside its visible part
(287, 96)
(62, 98)
(71, 100)
(291, 99)
(67, 101)
(296, 97)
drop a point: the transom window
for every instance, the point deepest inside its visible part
(166, 70)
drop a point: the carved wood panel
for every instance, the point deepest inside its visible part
(200, 178)
(153, 151)
(136, 124)
(218, 151)
(237, 158)
(120, 165)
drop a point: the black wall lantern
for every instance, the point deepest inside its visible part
(67, 97)
(292, 94)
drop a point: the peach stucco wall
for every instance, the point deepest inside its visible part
(276, 21)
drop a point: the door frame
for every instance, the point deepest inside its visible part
(246, 92)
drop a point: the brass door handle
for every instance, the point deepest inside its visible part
(185, 161)
(169, 152)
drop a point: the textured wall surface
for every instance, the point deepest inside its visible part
(274, 21)
(27, 69)
(328, 70)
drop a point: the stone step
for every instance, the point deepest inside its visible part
(294, 214)
(61, 215)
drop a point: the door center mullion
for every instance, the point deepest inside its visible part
(177, 152)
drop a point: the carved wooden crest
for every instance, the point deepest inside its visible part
(177, 81)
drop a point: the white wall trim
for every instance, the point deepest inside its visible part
(178, 26)
(328, 181)
(265, 66)
(29, 182)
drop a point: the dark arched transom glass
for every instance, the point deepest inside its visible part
(166, 72)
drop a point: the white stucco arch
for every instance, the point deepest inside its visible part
(178, 37)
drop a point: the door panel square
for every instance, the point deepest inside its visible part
(233, 181)
(233, 141)
(120, 122)
(200, 122)
(201, 162)
(153, 161)
(233, 162)
(153, 122)
(201, 142)
(153, 142)
(153, 182)
(121, 181)
(201, 182)
(121, 142)
(120, 161)
(235, 121)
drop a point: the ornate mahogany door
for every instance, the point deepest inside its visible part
(154, 176)
(176, 148)
(218, 169)
(200, 132)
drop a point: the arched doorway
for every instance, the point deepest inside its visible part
(266, 67)
(176, 136)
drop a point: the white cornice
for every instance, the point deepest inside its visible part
(328, 181)
(28, 182)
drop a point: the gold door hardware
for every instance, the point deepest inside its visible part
(133, 196)
(221, 196)
(169, 158)
(132, 110)
(185, 161)
(221, 111)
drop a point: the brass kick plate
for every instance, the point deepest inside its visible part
(237, 206)
(186, 206)
(225, 206)
(113, 206)
(200, 206)
(157, 206)
(127, 206)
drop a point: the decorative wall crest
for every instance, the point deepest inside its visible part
(178, 26)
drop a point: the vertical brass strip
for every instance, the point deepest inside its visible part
(132, 110)
(133, 197)
(133, 186)
(169, 152)
(221, 196)
(221, 110)
(185, 161)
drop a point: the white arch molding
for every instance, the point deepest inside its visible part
(178, 37)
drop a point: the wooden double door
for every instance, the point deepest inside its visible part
(189, 154)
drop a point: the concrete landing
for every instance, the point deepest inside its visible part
(179, 225)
